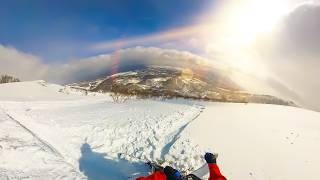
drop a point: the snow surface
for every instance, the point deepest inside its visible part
(50, 132)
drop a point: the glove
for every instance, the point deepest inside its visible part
(210, 158)
(172, 174)
(154, 167)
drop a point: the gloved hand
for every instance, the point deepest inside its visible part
(210, 158)
(154, 167)
(172, 174)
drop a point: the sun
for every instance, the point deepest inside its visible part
(257, 17)
(243, 21)
(237, 25)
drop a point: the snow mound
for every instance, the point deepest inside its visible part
(30, 90)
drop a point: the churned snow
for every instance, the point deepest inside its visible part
(47, 132)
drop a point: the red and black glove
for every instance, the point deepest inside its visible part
(172, 174)
(210, 158)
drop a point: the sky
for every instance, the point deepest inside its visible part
(60, 30)
(268, 46)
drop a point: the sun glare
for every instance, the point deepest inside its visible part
(236, 27)
(257, 17)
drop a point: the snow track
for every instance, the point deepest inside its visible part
(134, 132)
(26, 156)
(150, 138)
(45, 145)
(165, 150)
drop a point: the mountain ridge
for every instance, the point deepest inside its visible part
(172, 82)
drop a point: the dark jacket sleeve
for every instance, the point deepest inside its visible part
(215, 173)
(155, 176)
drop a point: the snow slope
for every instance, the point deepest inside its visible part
(261, 141)
(49, 133)
(25, 91)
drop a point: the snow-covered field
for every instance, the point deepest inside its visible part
(49, 133)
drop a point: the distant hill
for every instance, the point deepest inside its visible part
(169, 82)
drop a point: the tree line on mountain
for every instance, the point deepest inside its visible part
(8, 79)
(121, 93)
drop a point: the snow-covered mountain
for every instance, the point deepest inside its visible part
(169, 82)
(46, 133)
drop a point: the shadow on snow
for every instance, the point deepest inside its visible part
(95, 166)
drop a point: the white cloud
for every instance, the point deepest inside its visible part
(23, 65)
(29, 67)
(293, 52)
(123, 59)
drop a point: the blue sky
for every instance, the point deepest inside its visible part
(58, 30)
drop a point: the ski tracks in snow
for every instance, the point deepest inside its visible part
(154, 137)
(43, 144)
(34, 158)
(136, 131)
